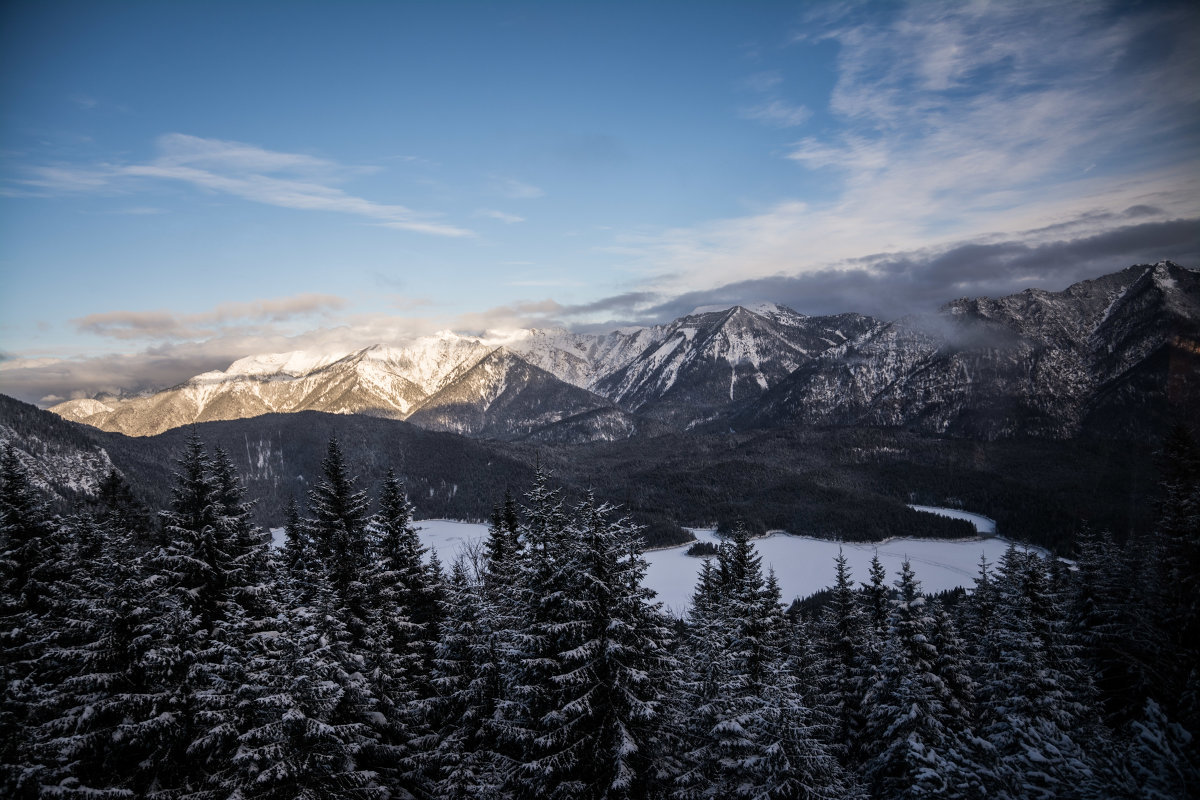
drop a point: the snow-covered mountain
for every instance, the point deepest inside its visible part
(378, 380)
(503, 396)
(1035, 363)
(1115, 354)
(700, 365)
(506, 385)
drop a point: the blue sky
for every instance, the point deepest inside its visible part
(184, 183)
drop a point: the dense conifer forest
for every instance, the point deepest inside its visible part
(179, 655)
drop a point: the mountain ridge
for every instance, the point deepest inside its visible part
(1036, 363)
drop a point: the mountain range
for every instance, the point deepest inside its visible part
(1117, 356)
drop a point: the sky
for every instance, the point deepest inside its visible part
(186, 183)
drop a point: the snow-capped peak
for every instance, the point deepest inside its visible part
(762, 308)
(1162, 276)
(295, 363)
(87, 406)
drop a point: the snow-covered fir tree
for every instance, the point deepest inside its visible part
(191, 661)
(297, 560)
(338, 527)
(30, 564)
(460, 757)
(306, 729)
(1026, 710)
(399, 641)
(748, 733)
(912, 746)
(606, 682)
(844, 631)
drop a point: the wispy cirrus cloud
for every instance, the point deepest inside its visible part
(778, 113)
(502, 216)
(270, 177)
(964, 122)
(773, 109)
(763, 81)
(516, 190)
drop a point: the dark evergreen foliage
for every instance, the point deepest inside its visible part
(338, 530)
(197, 662)
(29, 555)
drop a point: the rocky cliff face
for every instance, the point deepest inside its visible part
(1115, 354)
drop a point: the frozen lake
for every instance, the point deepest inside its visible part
(802, 564)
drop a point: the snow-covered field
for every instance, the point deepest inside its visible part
(802, 564)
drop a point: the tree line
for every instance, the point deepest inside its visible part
(183, 656)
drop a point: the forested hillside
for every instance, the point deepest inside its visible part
(179, 655)
(849, 484)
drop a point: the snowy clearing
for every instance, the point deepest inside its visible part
(803, 565)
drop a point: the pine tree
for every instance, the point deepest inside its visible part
(503, 541)
(1094, 620)
(1026, 709)
(461, 757)
(340, 630)
(225, 690)
(400, 637)
(597, 740)
(533, 643)
(404, 589)
(129, 678)
(105, 728)
(694, 708)
(1161, 757)
(298, 559)
(843, 630)
(339, 532)
(251, 580)
(916, 730)
(876, 596)
(304, 729)
(1175, 609)
(30, 555)
(750, 734)
(199, 552)
(194, 644)
(119, 508)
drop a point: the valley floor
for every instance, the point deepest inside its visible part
(802, 564)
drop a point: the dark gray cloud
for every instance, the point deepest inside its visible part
(620, 302)
(888, 286)
(168, 325)
(892, 286)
